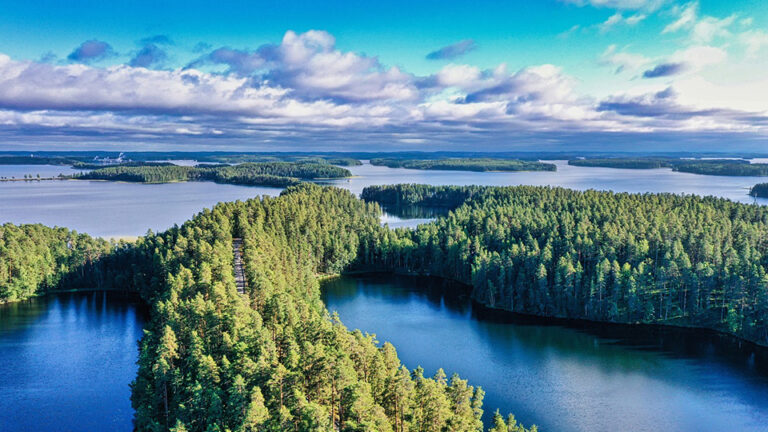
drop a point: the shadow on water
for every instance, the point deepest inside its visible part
(563, 375)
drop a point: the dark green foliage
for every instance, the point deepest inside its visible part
(139, 174)
(35, 259)
(597, 255)
(759, 190)
(724, 168)
(274, 360)
(466, 164)
(420, 195)
(278, 174)
(627, 163)
(720, 167)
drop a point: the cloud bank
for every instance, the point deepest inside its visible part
(307, 93)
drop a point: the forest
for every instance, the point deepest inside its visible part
(275, 359)
(759, 190)
(718, 167)
(624, 162)
(465, 164)
(277, 174)
(35, 259)
(724, 168)
(615, 257)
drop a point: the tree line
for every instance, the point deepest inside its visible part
(616, 257)
(465, 164)
(35, 259)
(759, 190)
(277, 174)
(718, 167)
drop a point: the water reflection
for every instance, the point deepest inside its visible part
(563, 376)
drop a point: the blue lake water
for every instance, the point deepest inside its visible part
(110, 209)
(564, 378)
(66, 362)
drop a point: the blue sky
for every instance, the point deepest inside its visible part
(428, 75)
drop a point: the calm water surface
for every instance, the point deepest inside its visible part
(113, 209)
(66, 362)
(588, 378)
(573, 177)
(110, 209)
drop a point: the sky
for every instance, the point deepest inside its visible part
(544, 75)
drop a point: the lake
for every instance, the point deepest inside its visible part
(67, 361)
(576, 377)
(110, 209)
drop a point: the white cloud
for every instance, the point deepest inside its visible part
(699, 56)
(686, 17)
(708, 28)
(754, 40)
(458, 75)
(619, 19)
(702, 29)
(623, 61)
(305, 86)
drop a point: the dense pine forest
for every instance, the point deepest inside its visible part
(277, 174)
(274, 359)
(35, 259)
(465, 164)
(628, 258)
(759, 190)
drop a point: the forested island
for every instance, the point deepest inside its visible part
(277, 174)
(274, 359)
(624, 162)
(718, 167)
(465, 164)
(724, 168)
(759, 190)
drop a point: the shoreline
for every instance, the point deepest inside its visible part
(551, 320)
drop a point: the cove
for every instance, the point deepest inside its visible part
(562, 376)
(67, 360)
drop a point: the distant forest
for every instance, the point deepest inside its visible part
(277, 174)
(719, 167)
(759, 190)
(466, 164)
